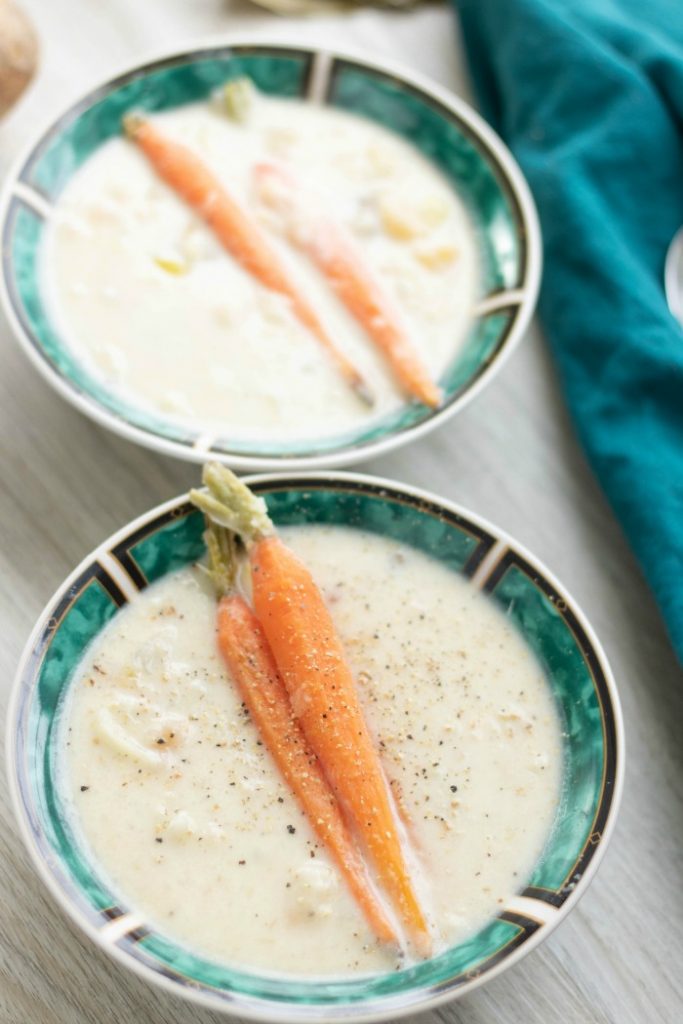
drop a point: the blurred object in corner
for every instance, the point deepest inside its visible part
(332, 6)
(673, 276)
(18, 53)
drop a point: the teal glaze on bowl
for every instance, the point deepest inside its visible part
(442, 127)
(170, 537)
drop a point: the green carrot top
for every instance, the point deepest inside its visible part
(222, 549)
(130, 122)
(231, 511)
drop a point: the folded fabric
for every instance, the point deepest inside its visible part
(589, 96)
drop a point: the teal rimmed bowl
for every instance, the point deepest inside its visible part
(170, 537)
(441, 126)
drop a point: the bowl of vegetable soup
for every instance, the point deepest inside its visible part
(271, 256)
(315, 747)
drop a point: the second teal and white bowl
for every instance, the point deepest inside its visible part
(444, 128)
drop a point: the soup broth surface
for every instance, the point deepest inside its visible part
(156, 309)
(166, 780)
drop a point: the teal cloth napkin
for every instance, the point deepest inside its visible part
(589, 96)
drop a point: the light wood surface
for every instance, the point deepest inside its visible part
(511, 456)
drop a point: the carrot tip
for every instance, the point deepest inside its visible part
(424, 945)
(434, 398)
(364, 391)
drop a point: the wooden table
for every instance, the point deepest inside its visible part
(511, 456)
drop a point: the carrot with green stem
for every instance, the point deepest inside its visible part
(323, 695)
(244, 647)
(341, 262)
(237, 232)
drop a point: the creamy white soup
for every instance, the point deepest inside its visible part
(168, 784)
(153, 305)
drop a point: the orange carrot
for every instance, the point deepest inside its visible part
(311, 662)
(243, 645)
(339, 259)
(237, 232)
(323, 693)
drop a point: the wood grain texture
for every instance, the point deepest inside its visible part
(511, 456)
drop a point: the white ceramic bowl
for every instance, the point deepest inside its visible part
(443, 127)
(170, 536)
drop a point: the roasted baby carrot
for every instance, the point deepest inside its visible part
(339, 259)
(313, 668)
(244, 647)
(237, 232)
